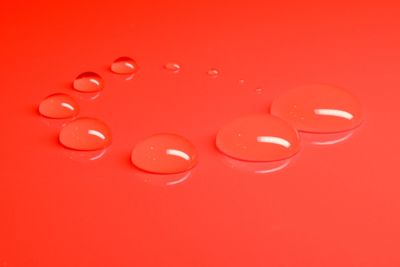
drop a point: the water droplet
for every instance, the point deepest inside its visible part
(85, 134)
(242, 81)
(88, 82)
(164, 154)
(259, 90)
(173, 67)
(319, 109)
(59, 106)
(258, 138)
(213, 72)
(124, 65)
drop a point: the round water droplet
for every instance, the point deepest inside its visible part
(242, 81)
(124, 65)
(59, 106)
(319, 109)
(258, 138)
(88, 82)
(85, 134)
(213, 72)
(173, 67)
(164, 154)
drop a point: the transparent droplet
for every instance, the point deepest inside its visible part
(85, 134)
(173, 67)
(258, 138)
(259, 90)
(213, 72)
(164, 154)
(124, 65)
(319, 109)
(242, 81)
(88, 82)
(59, 106)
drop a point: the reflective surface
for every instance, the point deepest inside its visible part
(331, 206)
(258, 138)
(164, 154)
(59, 106)
(85, 134)
(319, 108)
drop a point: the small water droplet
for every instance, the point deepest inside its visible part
(318, 109)
(124, 65)
(85, 134)
(258, 138)
(88, 82)
(173, 67)
(241, 81)
(59, 106)
(259, 90)
(164, 154)
(213, 72)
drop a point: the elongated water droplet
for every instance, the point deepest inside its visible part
(59, 106)
(124, 65)
(319, 109)
(88, 82)
(259, 90)
(164, 154)
(85, 134)
(173, 67)
(258, 138)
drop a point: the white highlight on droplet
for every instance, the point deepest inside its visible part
(97, 133)
(334, 112)
(178, 153)
(273, 140)
(94, 81)
(68, 106)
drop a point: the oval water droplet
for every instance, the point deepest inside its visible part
(258, 138)
(85, 134)
(319, 109)
(164, 154)
(59, 106)
(124, 65)
(173, 67)
(259, 90)
(88, 82)
(213, 72)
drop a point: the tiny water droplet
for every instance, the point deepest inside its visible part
(259, 90)
(164, 154)
(124, 65)
(85, 134)
(59, 106)
(88, 82)
(213, 72)
(319, 109)
(173, 67)
(258, 138)
(241, 81)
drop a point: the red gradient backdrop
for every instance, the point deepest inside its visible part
(333, 205)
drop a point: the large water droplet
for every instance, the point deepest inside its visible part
(173, 67)
(258, 138)
(164, 154)
(85, 134)
(319, 109)
(59, 106)
(88, 82)
(124, 65)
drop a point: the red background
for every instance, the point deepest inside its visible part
(333, 205)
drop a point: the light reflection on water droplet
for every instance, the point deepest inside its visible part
(256, 167)
(124, 65)
(172, 67)
(84, 156)
(326, 139)
(88, 82)
(213, 72)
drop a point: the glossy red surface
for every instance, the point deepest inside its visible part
(333, 205)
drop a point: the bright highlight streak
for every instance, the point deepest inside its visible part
(178, 153)
(97, 133)
(68, 106)
(334, 112)
(273, 140)
(94, 81)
